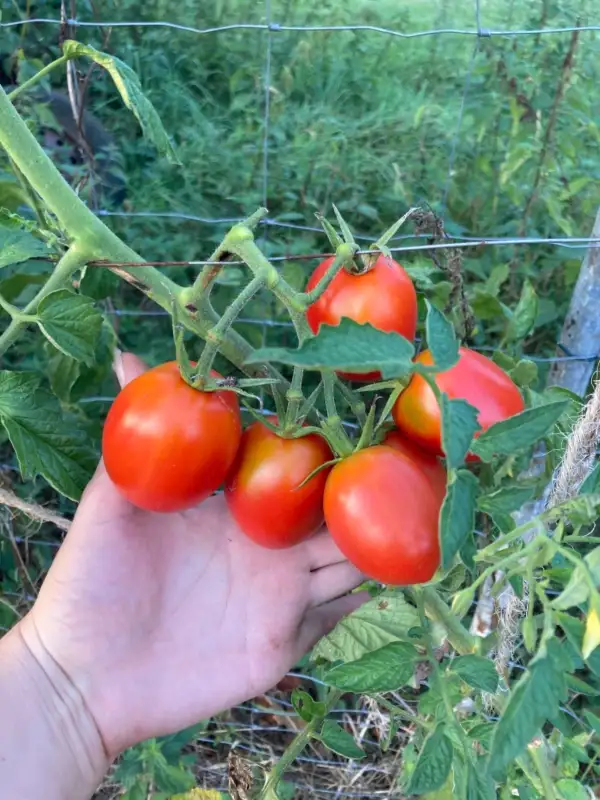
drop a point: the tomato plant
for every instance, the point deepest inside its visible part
(382, 510)
(474, 378)
(383, 295)
(166, 445)
(264, 492)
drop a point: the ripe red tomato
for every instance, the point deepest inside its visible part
(382, 511)
(167, 446)
(474, 378)
(384, 297)
(262, 489)
(428, 463)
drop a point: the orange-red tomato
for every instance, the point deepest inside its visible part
(474, 378)
(384, 297)
(262, 490)
(382, 511)
(429, 464)
(168, 446)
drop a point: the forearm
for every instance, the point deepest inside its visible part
(50, 747)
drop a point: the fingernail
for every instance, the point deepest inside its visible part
(118, 367)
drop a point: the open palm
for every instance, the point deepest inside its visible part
(161, 620)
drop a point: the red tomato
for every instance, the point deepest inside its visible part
(382, 511)
(473, 378)
(428, 463)
(167, 446)
(262, 489)
(384, 297)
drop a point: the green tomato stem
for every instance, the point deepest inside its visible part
(295, 748)
(37, 77)
(336, 434)
(437, 610)
(344, 255)
(216, 335)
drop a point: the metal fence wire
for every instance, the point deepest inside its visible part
(250, 734)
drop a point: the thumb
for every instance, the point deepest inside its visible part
(126, 367)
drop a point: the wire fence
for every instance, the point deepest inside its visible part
(399, 244)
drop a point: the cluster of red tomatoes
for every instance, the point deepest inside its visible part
(168, 446)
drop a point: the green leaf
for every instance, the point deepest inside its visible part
(383, 670)
(459, 423)
(525, 373)
(570, 789)
(441, 338)
(506, 499)
(479, 784)
(524, 316)
(477, 671)
(537, 695)
(129, 87)
(18, 245)
(171, 778)
(340, 741)
(577, 590)
(384, 619)
(45, 440)
(457, 517)
(433, 764)
(71, 323)
(593, 720)
(518, 432)
(63, 371)
(347, 346)
(306, 707)
(591, 484)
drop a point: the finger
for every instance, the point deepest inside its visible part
(320, 621)
(329, 582)
(322, 551)
(127, 367)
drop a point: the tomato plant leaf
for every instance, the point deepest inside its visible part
(525, 373)
(457, 516)
(62, 371)
(591, 484)
(18, 245)
(477, 671)
(441, 338)
(383, 670)
(570, 789)
(523, 318)
(45, 441)
(479, 784)
(518, 432)
(306, 707)
(506, 499)
(340, 741)
(129, 87)
(433, 764)
(347, 346)
(384, 619)
(459, 423)
(577, 589)
(71, 323)
(537, 695)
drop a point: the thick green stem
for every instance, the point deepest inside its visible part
(294, 397)
(37, 77)
(294, 749)
(437, 610)
(216, 335)
(73, 259)
(344, 255)
(333, 424)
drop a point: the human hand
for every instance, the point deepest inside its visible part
(160, 620)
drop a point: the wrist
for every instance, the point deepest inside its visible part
(50, 745)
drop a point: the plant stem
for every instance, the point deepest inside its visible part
(60, 278)
(437, 610)
(294, 749)
(538, 756)
(294, 398)
(354, 400)
(37, 77)
(333, 424)
(215, 336)
(344, 256)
